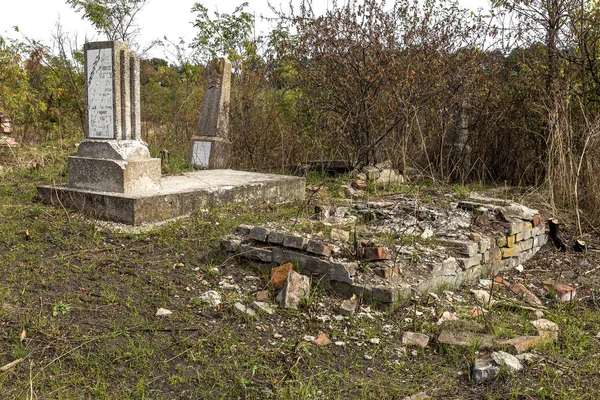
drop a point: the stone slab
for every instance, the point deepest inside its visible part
(179, 196)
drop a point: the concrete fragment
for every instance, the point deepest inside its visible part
(212, 297)
(415, 339)
(263, 307)
(484, 369)
(296, 287)
(161, 312)
(242, 309)
(348, 306)
(508, 361)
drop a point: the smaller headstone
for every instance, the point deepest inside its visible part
(210, 147)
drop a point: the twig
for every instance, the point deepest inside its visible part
(11, 364)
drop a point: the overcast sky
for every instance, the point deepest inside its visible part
(37, 19)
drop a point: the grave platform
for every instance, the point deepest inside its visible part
(179, 195)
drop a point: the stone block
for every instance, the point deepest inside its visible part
(495, 254)
(525, 233)
(371, 172)
(540, 240)
(465, 338)
(469, 262)
(509, 263)
(275, 238)
(319, 248)
(243, 230)
(106, 175)
(508, 252)
(256, 253)
(485, 244)
(515, 227)
(538, 230)
(463, 247)
(210, 152)
(526, 244)
(259, 234)
(309, 265)
(474, 273)
(230, 245)
(295, 242)
(510, 240)
(502, 241)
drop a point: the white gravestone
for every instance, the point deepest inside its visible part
(201, 153)
(100, 78)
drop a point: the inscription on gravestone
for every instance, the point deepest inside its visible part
(101, 114)
(201, 153)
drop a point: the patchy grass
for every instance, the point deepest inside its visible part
(85, 296)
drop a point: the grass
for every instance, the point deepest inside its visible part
(86, 296)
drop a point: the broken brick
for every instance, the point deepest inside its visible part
(374, 254)
(279, 275)
(564, 293)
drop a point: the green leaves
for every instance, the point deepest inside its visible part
(224, 35)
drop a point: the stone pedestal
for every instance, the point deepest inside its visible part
(210, 151)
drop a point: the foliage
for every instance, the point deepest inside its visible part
(114, 18)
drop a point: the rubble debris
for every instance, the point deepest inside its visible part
(279, 275)
(322, 340)
(296, 287)
(564, 293)
(415, 339)
(348, 306)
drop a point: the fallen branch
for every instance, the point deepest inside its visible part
(11, 364)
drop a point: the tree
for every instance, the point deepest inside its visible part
(114, 18)
(225, 35)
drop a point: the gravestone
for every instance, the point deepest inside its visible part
(6, 141)
(210, 147)
(113, 176)
(112, 157)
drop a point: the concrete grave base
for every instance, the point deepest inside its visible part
(179, 195)
(119, 176)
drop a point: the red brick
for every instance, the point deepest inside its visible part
(538, 220)
(374, 253)
(564, 293)
(279, 276)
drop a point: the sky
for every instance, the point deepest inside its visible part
(37, 19)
